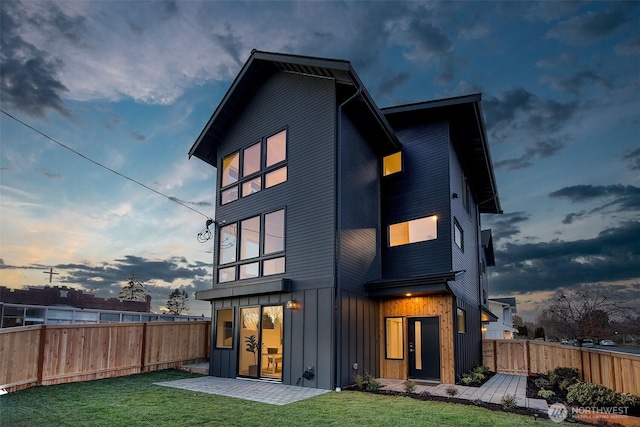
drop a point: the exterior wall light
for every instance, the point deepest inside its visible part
(292, 305)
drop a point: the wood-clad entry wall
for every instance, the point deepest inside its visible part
(438, 305)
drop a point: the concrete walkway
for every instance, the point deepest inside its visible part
(275, 393)
(493, 391)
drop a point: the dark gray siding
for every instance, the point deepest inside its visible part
(467, 259)
(305, 106)
(308, 333)
(358, 337)
(420, 190)
(359, 256)
(468, 346)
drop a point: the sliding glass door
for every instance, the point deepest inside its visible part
(261, 342)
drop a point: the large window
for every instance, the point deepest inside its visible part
(394, 334)
(417, 230)
(263, 166)
(260, 251)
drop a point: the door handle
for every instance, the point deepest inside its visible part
(411, 349)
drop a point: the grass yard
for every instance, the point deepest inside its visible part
(135, 401)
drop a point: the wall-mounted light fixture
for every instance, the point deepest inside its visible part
(454, 196)
(292, 305)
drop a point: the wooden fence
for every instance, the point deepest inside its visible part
(54, 354)
(618, 371)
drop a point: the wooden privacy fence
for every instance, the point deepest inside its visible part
(54, 354)
(618, 371)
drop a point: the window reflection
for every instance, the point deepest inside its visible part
(276, 177)
(277, 148)
(250, 238)
(274, 232)
(230, 169)
(251, 161)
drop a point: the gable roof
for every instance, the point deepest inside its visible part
(260, 66)
(468, 136)
(486, 240)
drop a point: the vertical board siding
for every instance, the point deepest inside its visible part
(617, 371)
(420, 190)
(305, 106)
(468, 345)
(440, 306)
(55, 354)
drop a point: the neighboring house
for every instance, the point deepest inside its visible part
(347, 237)
(502, 328)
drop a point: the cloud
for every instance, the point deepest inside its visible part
(613, 255)
(138, 137)
(633, 158)
(584, 79)
(29, 78)
(389, 83)
(630, 47)
(49, 174)
(507, 225)
(625, 197)
(541, 149)
(589, 27)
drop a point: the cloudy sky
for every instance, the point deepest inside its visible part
(130, 85)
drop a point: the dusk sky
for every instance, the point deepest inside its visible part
(130, 85)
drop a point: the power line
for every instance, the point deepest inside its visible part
(173, 199)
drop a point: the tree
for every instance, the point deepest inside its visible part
(177, 302)
(539, 333)
(583, 313)
(134, 290)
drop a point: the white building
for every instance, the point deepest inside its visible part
(503, 309)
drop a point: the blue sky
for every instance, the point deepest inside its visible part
(132, 84)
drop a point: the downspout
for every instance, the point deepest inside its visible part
(338, 293)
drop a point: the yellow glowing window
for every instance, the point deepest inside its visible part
(392, 163)
(417, 230)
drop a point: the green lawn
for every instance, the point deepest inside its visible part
(135, 401)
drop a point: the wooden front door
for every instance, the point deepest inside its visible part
(424, 348)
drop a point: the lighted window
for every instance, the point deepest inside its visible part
(458, 237)
(276, 177)
(251, 160)
(224, 328)
(259, 251)
(276, 148)
(417, 230)
(273, 266)
(462, 321)
(392, 163)
(227, 247)
(250, 238)
(262, 163)
(252, 186)
(230, 169)
(394, 338)
(274, 232)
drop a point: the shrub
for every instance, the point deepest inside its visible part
(627, 399)
(371, 384)
(359, 381)
(542, 382)
(509, 401)
(546, 394)
(482, 369)
(563, 378)
(410, 387)
(466, 380)
(451, 391)
(588, 394)
(478, 376)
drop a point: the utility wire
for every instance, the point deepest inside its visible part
(173, 199)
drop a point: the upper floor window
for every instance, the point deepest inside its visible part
(263, 166)
(458, 236)
(392, 163)
(253, 247)
(417, 230)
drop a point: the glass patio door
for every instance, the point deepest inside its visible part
(261, 342)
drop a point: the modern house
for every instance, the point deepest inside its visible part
(503, 309)
(347, 237)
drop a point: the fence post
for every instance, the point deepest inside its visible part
(43, 338)
(527, 355)
(143, 350)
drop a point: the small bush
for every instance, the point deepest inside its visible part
(410, 387)
(478, 376)
(588, 394)
(628, 399)
(482, 369)
(509, 401)
(359, 381)
(466, 380)
(542, 382)
(546, 394)
(371, 384)
(451, 391)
